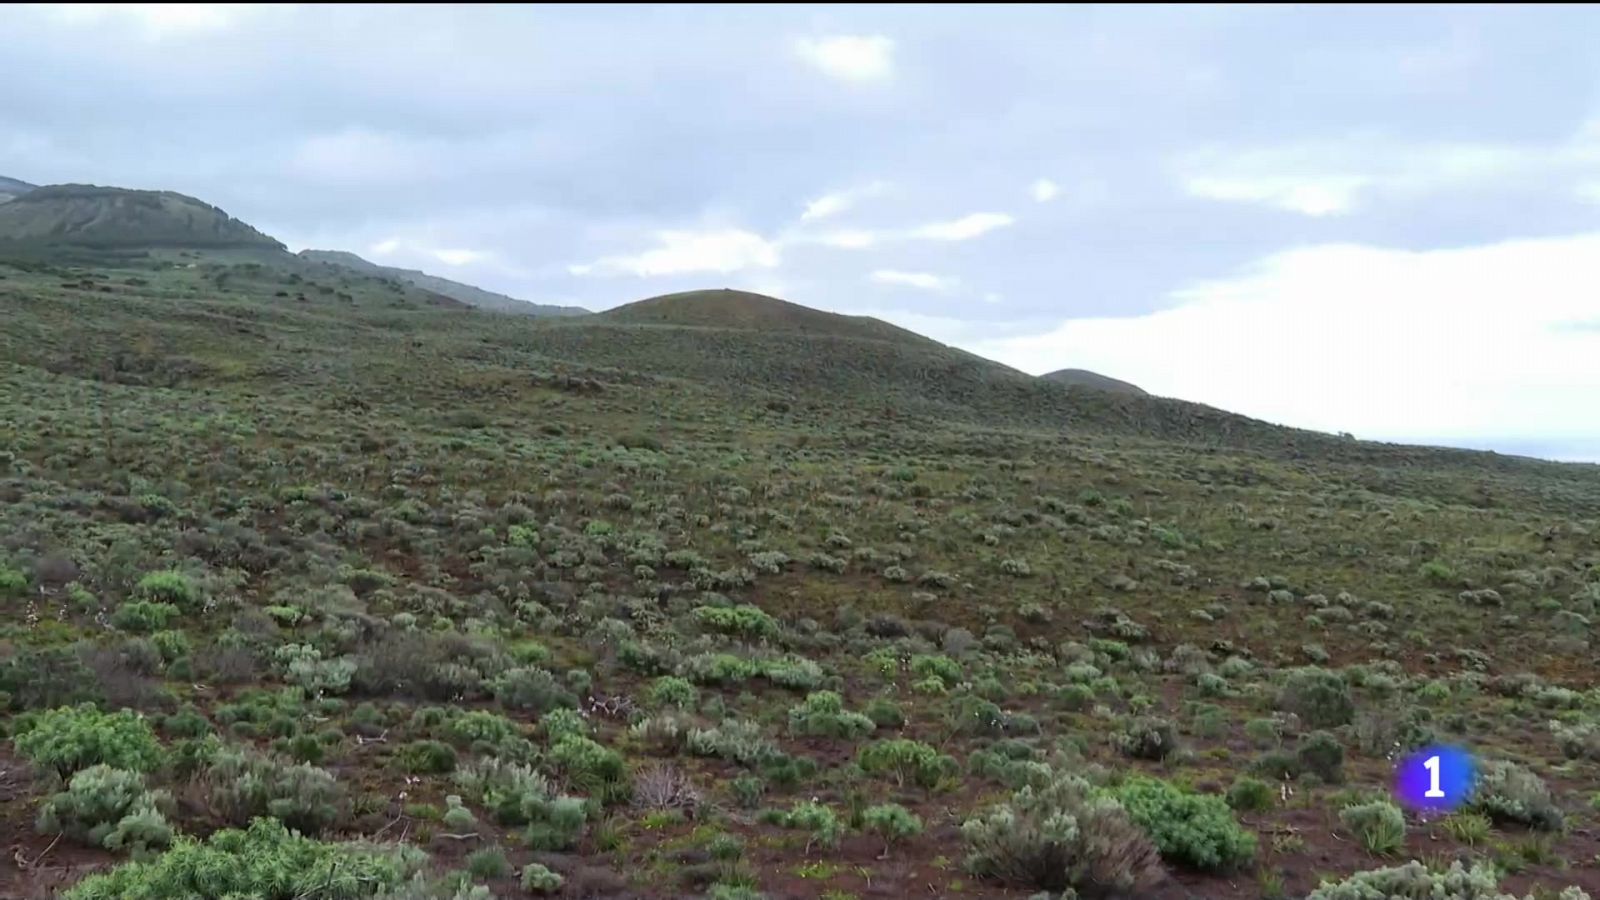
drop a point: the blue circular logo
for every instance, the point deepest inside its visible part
(1435, 779)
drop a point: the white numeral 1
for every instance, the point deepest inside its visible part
(1432, 765)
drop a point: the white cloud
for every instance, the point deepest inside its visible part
(682, 252)
(385, 247)
(964, 228)
(921, 280)
(1469, 344)
(849, 57)
(158, 20)
(836, 202)
(992, 297)
(1335, 177)
(459, 257)
(853, 239)
(1044, 190)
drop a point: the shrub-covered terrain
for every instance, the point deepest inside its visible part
(317, 585)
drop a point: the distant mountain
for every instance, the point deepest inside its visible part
(465, 293)
(85, 215)
(11, 188)
(1088, 379)
(748, 311)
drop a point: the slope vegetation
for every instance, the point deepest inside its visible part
(466, 293)
(1088, 379)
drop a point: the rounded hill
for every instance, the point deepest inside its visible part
(748, 311)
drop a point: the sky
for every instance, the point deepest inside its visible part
(1378, 220)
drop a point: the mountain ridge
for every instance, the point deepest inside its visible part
(87, 215)
(1088, 379)
(465, 293)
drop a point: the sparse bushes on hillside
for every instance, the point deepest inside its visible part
(1507, 792)
(1191, 829)
(110, 808)
(1319, 697)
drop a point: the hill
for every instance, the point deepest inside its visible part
(466, 293)
(80, 215)
(1088, 379)
(11, 188)
(749, 311)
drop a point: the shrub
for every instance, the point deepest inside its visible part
(1148, 737)
(532, 688)
(1380, 826)
(490, 862)
(892, 822)
(558, 723)
(734, 739)
(1507, 792)
(514, 794)
(558, 826)
(536, 879)
(72, 738)
(885, 713)
(1188, 828)
(265, 862)
(480, 729)
(243, 785)
(110, 808)
(793, 672)
(943, 668)
(170, 586)
(670, 690)
(1249, 794)
(1415, 880)
(1319, 697)
(426, 758)
(823, 715)
(1061, 836)
(1321, 754)
(12, 582)
(744, 621)
(907, 760)
(143, 616)
(457, 817)
(817, 818)
(587, 764)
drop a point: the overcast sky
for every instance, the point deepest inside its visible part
(1377, 220)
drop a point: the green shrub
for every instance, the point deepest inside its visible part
(892, 822)
(823, 715)
(670, 690)
(559, 825)
(514, 793)
(143, 616)
(1321, 754)
(744, 621)
(487, 732)
(1319, 697)
(537, 879)
(559, 723)
(426, 758)
(457, 817)
(1414, 880)
(72, 738)
(817, 818)
(943, 668)
(1249, 794)
(1380, 826)
(265, 862)
(1061, 836)
(12, 582)
(1192, 829)
(1148, 737)
(737, 740)
(884, 713)
(490, 862)
(587, 764)
(110, 808)
(243, 784)
(170, 586)
(907, 760)
(1507, 792)
(531, 688)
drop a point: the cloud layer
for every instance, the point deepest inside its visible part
(1032, 185)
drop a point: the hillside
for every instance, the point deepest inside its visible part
(626, 610)
(1088, 379)
(748, 311)
(77, 215)
(10, 188)
(466, 293)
